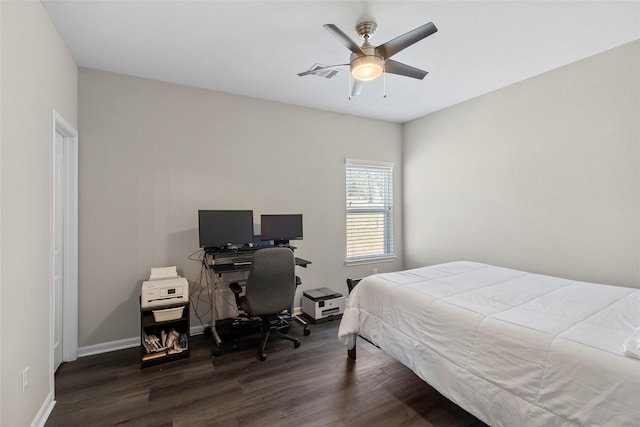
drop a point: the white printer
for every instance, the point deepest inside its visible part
(322, 304)
(164, 287)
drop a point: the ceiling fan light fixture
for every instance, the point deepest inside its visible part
(368, 67)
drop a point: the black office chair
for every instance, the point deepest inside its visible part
(270, 290)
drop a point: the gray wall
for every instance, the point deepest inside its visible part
(38, 75)
(152, 154)
(543, 175)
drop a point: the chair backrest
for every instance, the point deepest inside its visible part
(271, 285)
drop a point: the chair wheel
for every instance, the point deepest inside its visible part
(296, 343)
(307, 332)
(262, 357)
(217, 351)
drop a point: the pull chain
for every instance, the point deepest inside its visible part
(384, 81)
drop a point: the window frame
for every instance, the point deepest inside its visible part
(388, 210)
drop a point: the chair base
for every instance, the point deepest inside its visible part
(269, 328)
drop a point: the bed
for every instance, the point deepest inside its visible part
(512, 348)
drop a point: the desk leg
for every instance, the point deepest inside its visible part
(217, 350)
(217, 341)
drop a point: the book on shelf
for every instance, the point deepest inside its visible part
(152, 344)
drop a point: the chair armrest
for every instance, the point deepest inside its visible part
(235, 288)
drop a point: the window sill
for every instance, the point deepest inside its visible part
(372, 260)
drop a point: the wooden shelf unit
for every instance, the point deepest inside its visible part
(149, 325)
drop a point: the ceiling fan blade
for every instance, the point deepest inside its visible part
(344, 39)
(356, 88)
(316, 70)
(395, 67)
(390, 48)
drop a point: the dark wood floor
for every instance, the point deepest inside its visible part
(314, 385)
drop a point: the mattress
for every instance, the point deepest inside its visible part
(511, 347)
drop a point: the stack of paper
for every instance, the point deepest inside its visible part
(163, 273)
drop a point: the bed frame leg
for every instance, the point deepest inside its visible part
(352, 353)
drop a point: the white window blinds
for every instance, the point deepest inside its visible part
(369, 210)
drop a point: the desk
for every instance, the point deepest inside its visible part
(231, 266)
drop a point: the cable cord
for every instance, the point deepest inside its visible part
(200, 296)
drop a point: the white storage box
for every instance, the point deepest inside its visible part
(168, 314)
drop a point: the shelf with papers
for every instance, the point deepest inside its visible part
(163, 341)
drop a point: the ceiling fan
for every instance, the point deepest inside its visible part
(368, 62)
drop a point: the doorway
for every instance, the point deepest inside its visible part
(64, 246)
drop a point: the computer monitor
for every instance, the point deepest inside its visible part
(281, 228)
(222, 228)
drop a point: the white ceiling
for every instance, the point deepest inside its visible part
(256, 48)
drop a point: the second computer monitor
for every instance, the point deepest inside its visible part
(281, 228)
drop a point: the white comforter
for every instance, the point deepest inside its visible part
(512, 348)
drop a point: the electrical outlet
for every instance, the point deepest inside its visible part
(25, 380)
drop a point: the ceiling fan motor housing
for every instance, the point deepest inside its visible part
(370, 65)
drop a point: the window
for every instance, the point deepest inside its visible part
(369, 210)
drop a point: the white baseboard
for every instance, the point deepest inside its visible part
(108, 346)
(197, 330)
(44, 412)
